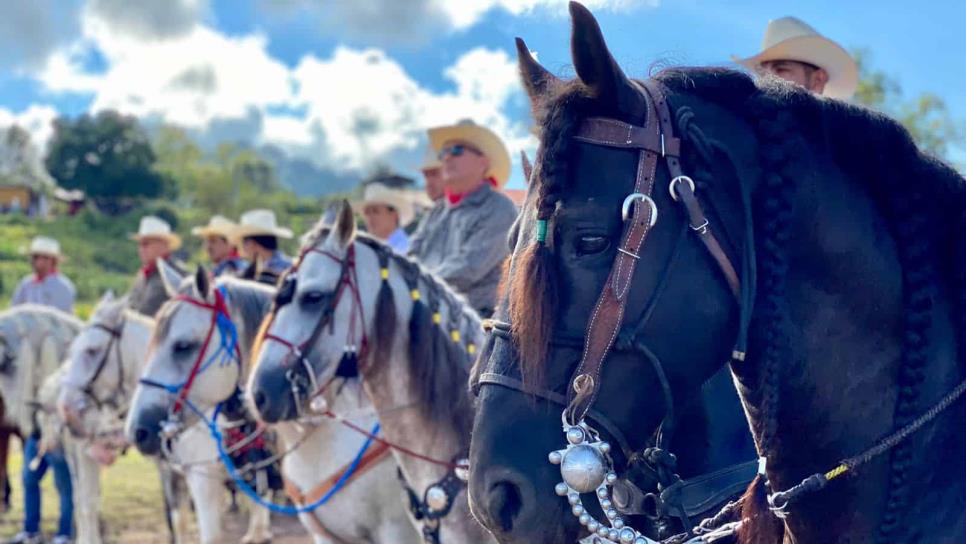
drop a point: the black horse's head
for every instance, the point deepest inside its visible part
(681, 316)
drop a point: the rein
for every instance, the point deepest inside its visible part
(114, 343)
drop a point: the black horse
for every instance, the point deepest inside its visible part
(850, 249)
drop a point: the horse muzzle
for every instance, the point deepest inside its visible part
(278, 394)
(144, 430)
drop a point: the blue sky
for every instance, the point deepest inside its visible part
(351, 84)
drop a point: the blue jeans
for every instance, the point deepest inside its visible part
(31, 488)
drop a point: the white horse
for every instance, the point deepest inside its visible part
(353, 297)
(105, 362)
(33, 342)
(365, 511)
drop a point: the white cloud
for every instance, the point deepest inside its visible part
(149, 19)
(362, 106)
(37, 119)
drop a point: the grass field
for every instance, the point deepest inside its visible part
(131, 496)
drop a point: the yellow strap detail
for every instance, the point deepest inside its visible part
(836, 472)
(471, 348)
(437, 319)
(415, 294)
(455, 335)
(384, 272)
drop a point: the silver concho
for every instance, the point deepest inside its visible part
(436, 498)
(462, 470)
(586, 467)
(583, 468)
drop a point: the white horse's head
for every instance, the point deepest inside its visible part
(318, 303)
(33, 342)
(196, 355)
(103, 364)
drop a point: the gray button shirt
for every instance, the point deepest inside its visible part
(465, 244)
(54, 290)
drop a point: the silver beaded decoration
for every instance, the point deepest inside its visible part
(586, 467)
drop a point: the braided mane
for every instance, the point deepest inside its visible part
(922, 200)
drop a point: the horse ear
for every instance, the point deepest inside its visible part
(170, 277)
(106, 298)
(344, 230)
(527, 167)
(202, 285)
(536, 78)
(595, 66)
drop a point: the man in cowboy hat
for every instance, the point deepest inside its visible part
(259, 232)
(46, 285)
(465, 244)
(221, 245)
(155, 241)
(432, 170)
(795, 52)
(387, 212)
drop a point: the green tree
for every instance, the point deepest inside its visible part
(109, 157)
(926, 116)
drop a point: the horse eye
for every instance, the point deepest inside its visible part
(182, 347)
(92, 351)
(590, 245)
(312, 298)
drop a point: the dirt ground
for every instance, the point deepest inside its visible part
(131, 511)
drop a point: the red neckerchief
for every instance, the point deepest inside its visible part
(455, 198)
(149, 269)
(39, 279)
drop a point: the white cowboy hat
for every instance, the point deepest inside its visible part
(398, 199)
(218, 226)
(789, 38)
(431, 160)
(42, 245)
(480, 137)
(154, 227)
(260, 222)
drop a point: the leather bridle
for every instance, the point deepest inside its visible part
(87, 389)
(605, 332)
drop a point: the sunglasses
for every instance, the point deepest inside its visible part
(457, 150)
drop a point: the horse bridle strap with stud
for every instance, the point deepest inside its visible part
(654, 140)
(115, 344)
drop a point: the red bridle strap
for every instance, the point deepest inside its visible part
(218, 308)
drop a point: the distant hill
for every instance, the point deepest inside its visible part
(304, 177)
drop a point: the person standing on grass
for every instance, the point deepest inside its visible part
(49, 288)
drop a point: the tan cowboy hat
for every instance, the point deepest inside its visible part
(260, 222)
(218, 226)
(42, 245)
(431, 160)
(789, 38)
(154, 227)
(398, 199)
(480, 137)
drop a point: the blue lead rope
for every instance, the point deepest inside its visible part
(274, 507)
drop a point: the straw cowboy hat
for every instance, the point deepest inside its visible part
(218, 226)
(431, 160)
(397, 199)
(480, 137)
(48, 247)
(789, 38)
(260, 222)
(154, 227)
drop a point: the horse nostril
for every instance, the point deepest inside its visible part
(505, 504)
(141, 436)
(261, 399)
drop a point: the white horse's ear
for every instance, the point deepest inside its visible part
(106, 298)
(329, 215)
(170, 277)
(527, 167)
(344, 230)
(202, 284)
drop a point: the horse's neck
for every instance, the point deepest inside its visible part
(325, 449)
(134, 349)
(839, 371)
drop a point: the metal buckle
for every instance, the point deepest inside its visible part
(677, 180)
(626, 207)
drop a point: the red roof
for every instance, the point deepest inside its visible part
(516, 195)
